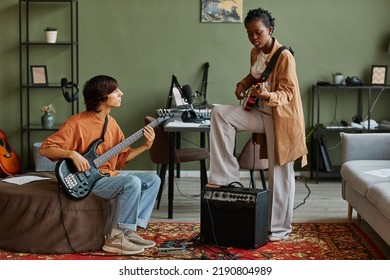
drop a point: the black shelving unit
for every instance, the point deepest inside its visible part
(26, 48)
(364, 91)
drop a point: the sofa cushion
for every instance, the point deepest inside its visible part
(39, 218)
(379, 195)
(354, 172)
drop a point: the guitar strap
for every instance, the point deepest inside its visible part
(260, 137)
(272, 63)
(105, 126)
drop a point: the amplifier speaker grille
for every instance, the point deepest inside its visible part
(234, 217)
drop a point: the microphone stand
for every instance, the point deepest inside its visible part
(203, 89)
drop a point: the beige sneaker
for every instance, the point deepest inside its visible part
(120, 245)
(277, 239)
(133, 237)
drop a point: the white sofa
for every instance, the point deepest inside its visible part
(368, 194)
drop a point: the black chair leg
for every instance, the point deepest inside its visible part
(203, 174)
(253, 180)
(163, 171)
(262, 176)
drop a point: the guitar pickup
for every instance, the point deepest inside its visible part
(70, 181)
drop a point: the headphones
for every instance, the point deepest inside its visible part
(69, 97)
(353, 81)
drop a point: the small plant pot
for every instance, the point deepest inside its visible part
(50, 37)
(338, 79)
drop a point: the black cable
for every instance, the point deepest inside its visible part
(307, 187)
(212, 222)
(253, 165)
(335, 107)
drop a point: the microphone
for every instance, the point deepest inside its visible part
(189, 115)
(187, 92)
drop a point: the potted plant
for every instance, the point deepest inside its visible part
(50, 34)
(47, 118)
(338, 78)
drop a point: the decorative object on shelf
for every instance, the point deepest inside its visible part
(47, 118)
(338, 78)
(50, 34)
(378, 74)
(38, 75)
(74, 95)
(353, 81)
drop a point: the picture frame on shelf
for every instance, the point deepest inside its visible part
(39, 75)
(378, 74)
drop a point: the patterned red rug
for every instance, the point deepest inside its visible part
(308, 241)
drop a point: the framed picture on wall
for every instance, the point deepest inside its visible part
(39, 75)
(221, 11)
(378, 74)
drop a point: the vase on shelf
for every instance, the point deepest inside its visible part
(338, 78)
(51, 36)
(47, 120)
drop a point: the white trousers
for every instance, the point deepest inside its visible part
(226, 120)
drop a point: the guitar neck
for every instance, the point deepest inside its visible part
(106, 156)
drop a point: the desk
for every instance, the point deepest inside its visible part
(174, 126)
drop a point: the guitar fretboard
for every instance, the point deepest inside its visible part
(106, 156)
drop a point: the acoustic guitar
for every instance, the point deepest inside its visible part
(9, 161)
(78, 185)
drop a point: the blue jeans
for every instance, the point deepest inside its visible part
(134, 194)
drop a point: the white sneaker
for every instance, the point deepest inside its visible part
(133, 237)
(276, 239)
(120, 245)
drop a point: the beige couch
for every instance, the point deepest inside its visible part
(368, 194)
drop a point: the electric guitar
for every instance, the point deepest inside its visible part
(78, 185)
(249, 102)
(9, 161)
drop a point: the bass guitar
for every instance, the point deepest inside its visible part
(9, 161)
(78, 185)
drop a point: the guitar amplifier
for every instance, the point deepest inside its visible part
(234, 217)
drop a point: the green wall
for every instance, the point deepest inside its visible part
(142, 43)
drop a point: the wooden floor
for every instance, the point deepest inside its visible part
(323, 204)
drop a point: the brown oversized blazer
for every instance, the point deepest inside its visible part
(286, 103)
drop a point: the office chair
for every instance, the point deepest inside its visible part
(159, 154)
(249, 158)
